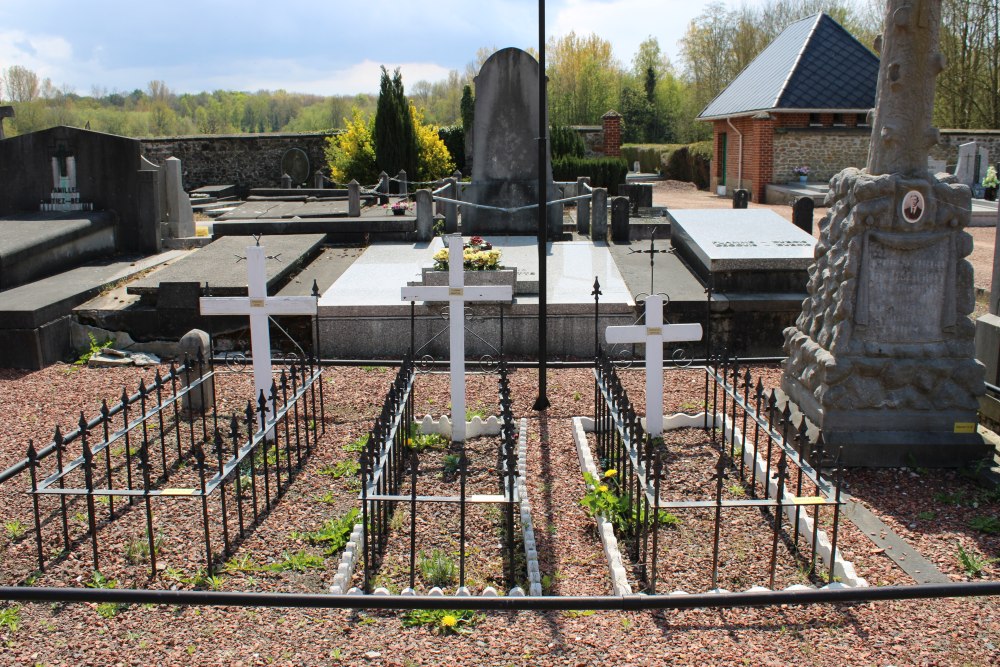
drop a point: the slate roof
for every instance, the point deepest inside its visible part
(813, 64)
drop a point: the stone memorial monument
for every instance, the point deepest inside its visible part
(505, 150)
(881, 359)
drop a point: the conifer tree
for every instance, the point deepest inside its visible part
(395, 139)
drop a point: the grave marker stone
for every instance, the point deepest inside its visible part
(741, 198)
(505, 150)
(295, 163)
(881, 357)
(259, 307)
(180, 216)
(802, 214)
(973, 160)
(654, 334)
(619, 219)
(456, 293)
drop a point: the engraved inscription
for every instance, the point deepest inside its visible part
(906, 289)
(257, 303)
(734, 244)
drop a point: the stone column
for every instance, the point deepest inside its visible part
(383, 186)
(190, 345)
(582, 206)
(353, 199)
(286, 182)
(425, 215)
(599, 215)
(451, 210)
(403, 185)
(619, 219)
(179, 213)
(318, 180)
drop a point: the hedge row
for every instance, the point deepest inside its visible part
(678, 162)
(604, 172)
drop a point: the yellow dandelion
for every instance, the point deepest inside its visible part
(449, 621)
(611, 472)
(602, 488)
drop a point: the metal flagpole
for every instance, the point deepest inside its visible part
(542, 402)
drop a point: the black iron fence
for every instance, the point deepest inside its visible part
(131, 449)
(771, 466)
(389, 454)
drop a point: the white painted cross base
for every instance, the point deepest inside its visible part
(259, 306)
(456, 294)
(654, 334)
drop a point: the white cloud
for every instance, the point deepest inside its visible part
(46, 55)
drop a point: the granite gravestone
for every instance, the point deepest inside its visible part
(743, 250)
(881, 357)
(972, 163)
(505, 150)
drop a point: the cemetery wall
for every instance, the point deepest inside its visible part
(245, 160)
(947, 149)
(826, 151)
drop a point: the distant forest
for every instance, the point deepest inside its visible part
(658, 99)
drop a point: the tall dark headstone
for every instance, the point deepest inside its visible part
(619, 219)
(881, 359)
(802, 214)
(505, 150)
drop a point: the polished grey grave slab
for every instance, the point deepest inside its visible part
(220, 265)
(740, 240)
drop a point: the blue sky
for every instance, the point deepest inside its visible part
(325, 48)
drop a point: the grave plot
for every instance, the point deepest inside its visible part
(163, 467)
(443, 516)
(694, 509)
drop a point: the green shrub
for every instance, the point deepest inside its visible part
(648, 155)
(438, 569)
(564, 141)
(603, 172)
(453, 137)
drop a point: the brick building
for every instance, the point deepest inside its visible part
(804, 101)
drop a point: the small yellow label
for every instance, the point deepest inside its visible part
(654, 331)
(807, 500)
(965, 427)
(456, 291)
(258, 303)
(177, 492)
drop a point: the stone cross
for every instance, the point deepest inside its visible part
(259, 306)
(654, 334)
(456, 294)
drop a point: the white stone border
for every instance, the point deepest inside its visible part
(843, 568)
(619, 576)
(474, 428)
(349, 559)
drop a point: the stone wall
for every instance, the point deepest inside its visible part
(825, 151)
(245, 160)
(947, 149)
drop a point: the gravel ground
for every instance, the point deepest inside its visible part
(917, 632)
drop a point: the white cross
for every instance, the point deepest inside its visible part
(654, 334)
(456, 294)
(259, 306)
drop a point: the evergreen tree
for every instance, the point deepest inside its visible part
(395, 139)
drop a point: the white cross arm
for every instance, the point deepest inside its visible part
(272, 305)
(670, 333)
(468, 293)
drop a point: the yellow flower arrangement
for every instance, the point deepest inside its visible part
(474, 258)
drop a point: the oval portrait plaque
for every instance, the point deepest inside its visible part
(912, 208)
